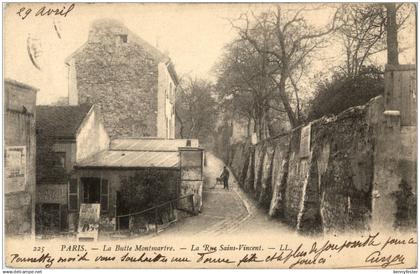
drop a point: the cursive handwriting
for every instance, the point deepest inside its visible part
(384, 261)
(43, 259)
(249, 258)
(157, 257)
(338, 247)
(397, 241)
(204, 258)
(24, 12)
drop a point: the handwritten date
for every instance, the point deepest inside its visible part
(24, 12)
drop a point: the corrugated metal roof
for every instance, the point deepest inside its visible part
(131, 159)
(151, 144)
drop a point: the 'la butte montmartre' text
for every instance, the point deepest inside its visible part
(139, 248)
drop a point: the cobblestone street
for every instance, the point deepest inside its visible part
(225, 211)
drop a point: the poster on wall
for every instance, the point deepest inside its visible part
(88, 222)
(286, 100)
(15, 168)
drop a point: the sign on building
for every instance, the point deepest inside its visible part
(15, 168)
(51, 193)
(305, 141)
(88, 227)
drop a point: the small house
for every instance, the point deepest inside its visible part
(103, 177)
(65, 135)
(79, 164)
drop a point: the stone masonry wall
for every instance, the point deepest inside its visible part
(119, 77)
(336, 187)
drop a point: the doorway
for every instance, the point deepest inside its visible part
(91, 190)
(48, 218)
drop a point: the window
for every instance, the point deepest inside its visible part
(73, 195)
(94, 190)
(124, 38)
(60, 159)
(169, 128)
(166, 118)
(172, 91)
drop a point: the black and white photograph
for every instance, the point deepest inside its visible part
(209, 135)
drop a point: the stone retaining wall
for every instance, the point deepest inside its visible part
(336, 187)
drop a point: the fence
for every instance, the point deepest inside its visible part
(159, 216)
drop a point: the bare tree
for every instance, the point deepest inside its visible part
(364, 31)
(243, 87)
(291, 42)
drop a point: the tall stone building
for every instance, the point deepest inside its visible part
(131, 82)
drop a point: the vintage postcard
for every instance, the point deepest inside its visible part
(204, 135)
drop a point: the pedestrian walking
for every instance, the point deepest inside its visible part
(225, 178)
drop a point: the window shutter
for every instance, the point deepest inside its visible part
(104, 195)
(73, 195)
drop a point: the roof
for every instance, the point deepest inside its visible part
(117, 27)
(172, 72)
(20, 84)
(151, 144)
(60, 121)
(138, 153)
(131, 159)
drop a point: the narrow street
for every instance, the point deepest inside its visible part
(225, 211)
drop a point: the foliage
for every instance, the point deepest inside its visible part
(262, 68)
(148, 188)
(341, 92)
(406, 201)
(196, 109)
(244, 90)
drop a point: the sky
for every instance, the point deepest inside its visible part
(193, 34)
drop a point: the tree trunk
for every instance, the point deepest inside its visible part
(180, 122)
(286, 103)
(392, 34)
